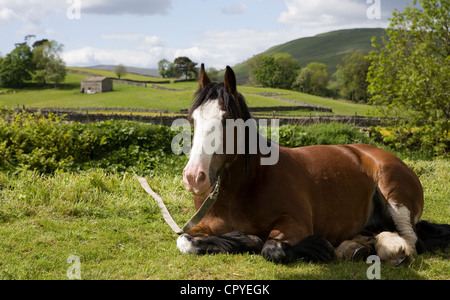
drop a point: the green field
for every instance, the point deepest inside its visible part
(99, 213)
(66, 189)
(117, 231)
(126, 96)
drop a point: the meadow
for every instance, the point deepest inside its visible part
(126, 96)
(117, 231)
(68, 190)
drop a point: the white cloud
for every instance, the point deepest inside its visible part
(221, 48)
(89, 56)
(215, 48)
(324, 12)
(142, 39)
(7, 14)
(34, 11)
(120, 7)
(237, 8)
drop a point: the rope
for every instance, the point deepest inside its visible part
(204, 209)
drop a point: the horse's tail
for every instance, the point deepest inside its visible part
(432, 236)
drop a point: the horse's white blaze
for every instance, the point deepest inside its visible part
(208, 134)
(208, 139)
(208, 128)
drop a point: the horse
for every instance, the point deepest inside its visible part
(316, 203)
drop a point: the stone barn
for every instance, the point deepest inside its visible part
(96, 84)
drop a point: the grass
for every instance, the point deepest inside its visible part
(117, 231)
(125, 96)
(339, 107)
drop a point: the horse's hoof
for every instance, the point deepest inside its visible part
(360, 253)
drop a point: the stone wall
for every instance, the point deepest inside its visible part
(167, 120)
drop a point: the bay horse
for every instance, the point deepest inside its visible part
(315, 203)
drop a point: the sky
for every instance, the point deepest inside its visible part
(140, 33)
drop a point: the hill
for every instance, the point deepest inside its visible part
(328, 48)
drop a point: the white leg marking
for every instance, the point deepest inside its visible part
(185, 245)
(401, 216)
(392, 246)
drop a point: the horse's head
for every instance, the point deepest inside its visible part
(214, 104)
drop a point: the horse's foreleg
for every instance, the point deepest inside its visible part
(234, 243)
(360, 247)
(314, 248)
(290, 243)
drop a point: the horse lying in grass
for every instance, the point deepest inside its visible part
(315, 203)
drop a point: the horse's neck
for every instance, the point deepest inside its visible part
(242, 174)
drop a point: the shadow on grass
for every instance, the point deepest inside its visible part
(427, 266)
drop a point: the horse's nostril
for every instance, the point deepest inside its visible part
(202, 177)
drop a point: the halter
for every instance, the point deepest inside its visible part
(204, 209)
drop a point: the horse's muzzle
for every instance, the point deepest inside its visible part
(196, 181)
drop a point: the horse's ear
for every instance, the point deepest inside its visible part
(231, 85)
(230, 81)
(204, 79)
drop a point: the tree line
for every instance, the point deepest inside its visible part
(407, 76)
(182, 66)
(40, 62)
(283, 71)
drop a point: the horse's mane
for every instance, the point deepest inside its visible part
(234, 108)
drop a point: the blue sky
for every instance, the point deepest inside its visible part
(141, 32)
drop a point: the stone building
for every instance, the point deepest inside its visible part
(96, 84)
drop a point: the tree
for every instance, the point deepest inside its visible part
(254, 64)
(313, 79)
(213, 73)
(264, 74)
(163, 65)
(410, 75)
(49, 66)
(184, 65)
(278, 71)
(120, 71)
(167, 69)
(17, 67)
(352, 77)
(303, 81)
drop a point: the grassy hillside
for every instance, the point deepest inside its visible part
(328, 48)
(138, 97)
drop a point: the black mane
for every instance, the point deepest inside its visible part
(234, 109)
